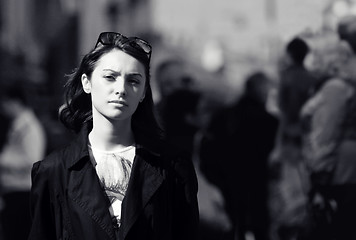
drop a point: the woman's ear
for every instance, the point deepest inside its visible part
(86, 83)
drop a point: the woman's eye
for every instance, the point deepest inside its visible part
(134, 81)
(109, 77)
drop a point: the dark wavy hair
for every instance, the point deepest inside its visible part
(77, 109)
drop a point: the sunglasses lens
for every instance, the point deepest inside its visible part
(144, 45)
(109, 38)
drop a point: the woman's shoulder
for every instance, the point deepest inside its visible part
(173, 155)
(176, 162)
(50, 162)
(58, 159)
(181, 167)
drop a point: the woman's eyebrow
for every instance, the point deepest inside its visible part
(110, 70)
(134, 74)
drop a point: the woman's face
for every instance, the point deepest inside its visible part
(117, 86)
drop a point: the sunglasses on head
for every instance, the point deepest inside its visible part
(110, 38)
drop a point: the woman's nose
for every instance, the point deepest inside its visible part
(120, 87)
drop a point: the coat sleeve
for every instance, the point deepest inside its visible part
(41, 210)
(185, 210)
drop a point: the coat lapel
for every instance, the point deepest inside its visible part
(84, 187)
(87, 193)
(144, 181)
(85, 190)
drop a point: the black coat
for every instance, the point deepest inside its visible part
(68, 202)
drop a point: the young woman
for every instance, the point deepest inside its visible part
(118, 179)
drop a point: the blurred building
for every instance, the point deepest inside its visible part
(243, 35)
(130, 17)
(238, 36)
(41, 41)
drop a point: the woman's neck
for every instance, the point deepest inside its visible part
(111, 135)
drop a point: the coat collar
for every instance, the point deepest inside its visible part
(79, 147)
(146, 178)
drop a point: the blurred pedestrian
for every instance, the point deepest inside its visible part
(178, 118)
(295, 87)
(25, 144)
(330, 143)
(171, 76)
(288, 194)
(214, 223)
(234, 155)
(118, 179)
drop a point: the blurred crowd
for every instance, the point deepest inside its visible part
(278, 162)
(280, 173)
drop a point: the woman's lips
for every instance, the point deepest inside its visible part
(118, 102)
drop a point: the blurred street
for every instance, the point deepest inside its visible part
(259, 132)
